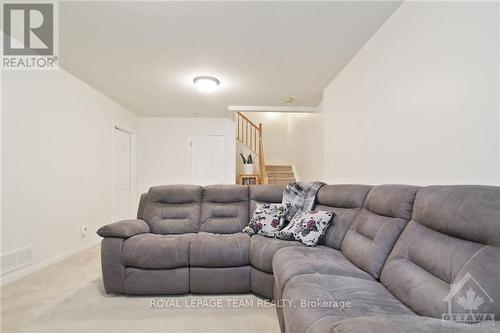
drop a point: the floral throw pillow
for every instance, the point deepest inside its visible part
(306, 227)
(267, 219)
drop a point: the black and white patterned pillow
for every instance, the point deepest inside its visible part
(267, 219)
(306, 227)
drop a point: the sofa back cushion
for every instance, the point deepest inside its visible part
(374, 231)
(345, 201)
(450, 247)
(173, 209)
(265, 194)
(224, 208)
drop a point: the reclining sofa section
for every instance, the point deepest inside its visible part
(394, 251)
(187, 239)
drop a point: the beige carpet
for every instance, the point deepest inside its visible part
(69, 297)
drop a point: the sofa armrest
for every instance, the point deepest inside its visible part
(124, 229)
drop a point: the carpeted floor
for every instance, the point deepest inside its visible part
(69, 297)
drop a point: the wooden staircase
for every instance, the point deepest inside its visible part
(279, 174)
(250, 135)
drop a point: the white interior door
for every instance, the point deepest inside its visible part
(121, 174)
(207, 159)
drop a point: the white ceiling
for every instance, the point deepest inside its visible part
(144, 55)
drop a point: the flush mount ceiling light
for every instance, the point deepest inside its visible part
(206, 83)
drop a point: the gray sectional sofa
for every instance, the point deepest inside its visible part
(402, 257)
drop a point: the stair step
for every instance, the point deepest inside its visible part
(287, 168)
(280, 180)
(279, 174)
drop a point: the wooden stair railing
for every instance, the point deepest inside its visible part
(262, 161)
(250, 135)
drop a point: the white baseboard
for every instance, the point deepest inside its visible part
(28, 270)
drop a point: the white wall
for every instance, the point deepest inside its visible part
(305, 145)
(56, 161)
(163, 148)
(418, 104)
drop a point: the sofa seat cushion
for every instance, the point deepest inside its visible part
(219, 250)
(316, 301)
(262, 250)
(156, 251)
(293, 261)
(397, 324)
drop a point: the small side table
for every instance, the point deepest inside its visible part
(249, 179)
